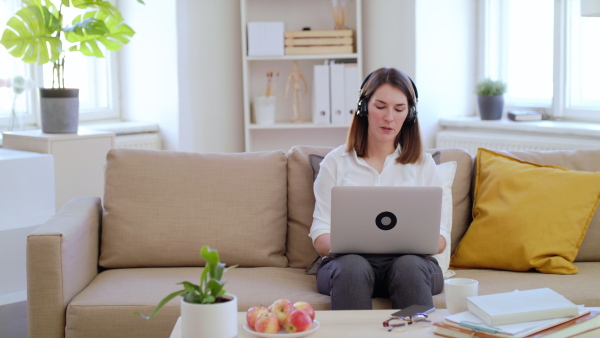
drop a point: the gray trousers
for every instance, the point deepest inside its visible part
(352, 280)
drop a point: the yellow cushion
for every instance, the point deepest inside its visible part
(527, 216)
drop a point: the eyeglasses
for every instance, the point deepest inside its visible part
(402, 323)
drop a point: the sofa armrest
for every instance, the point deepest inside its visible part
(62, 259)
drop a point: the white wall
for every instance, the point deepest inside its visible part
(193, 88)
(389, 35)
(445, 61)
(148, 74)
(210, 75)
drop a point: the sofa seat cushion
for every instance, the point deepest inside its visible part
(161, 207)
(580, 288)
(104, 308)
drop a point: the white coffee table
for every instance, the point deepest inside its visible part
(350, 323)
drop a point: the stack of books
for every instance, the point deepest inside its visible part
(520, 314)
(524, 115)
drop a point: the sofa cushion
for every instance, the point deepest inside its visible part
(461, 191)
(104, 308)
(527, 216)
(161, 207)
(580, 288)
(581, 160)
(301, 205)
(301, 199)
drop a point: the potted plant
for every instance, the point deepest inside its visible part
(37, 34)
(490, 98)
(207, 310)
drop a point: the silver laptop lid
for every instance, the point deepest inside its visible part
(385, 220)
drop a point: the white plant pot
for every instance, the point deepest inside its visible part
(218, 320)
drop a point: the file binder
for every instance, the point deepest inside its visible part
(321, 104)
(337, 88)
(351, 91)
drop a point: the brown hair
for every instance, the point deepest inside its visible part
(409, 136)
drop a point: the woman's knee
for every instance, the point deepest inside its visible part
(353, 266)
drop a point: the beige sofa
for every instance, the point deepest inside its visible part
(92, 265)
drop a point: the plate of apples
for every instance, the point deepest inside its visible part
(281, 319)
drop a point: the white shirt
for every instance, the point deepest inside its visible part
(342, 168)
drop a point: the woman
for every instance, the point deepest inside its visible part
(383, 148)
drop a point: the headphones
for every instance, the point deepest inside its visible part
(361, 109)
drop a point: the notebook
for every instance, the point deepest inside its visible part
(385, 220)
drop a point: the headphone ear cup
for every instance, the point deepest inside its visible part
(361, 110)
(412, 115)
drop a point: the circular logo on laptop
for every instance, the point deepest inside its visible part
(386, 220)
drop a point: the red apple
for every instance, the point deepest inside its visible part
(282, 308)
(267, 322)
(253, 313)
(304, 306)
(297, 321)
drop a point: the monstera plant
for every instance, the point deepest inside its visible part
(38, 34)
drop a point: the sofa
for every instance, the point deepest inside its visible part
(97, 261)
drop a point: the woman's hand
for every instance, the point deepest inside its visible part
(323, 246)
(441, 245)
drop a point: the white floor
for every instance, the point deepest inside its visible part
(13, 320)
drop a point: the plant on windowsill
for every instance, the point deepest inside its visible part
(207, 310)
(490, 98)
(37, 34)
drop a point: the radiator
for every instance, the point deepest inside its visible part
(470, 141)
(150, 141)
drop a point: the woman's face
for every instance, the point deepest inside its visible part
(388, 108)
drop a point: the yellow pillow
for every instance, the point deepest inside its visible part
(527, 216)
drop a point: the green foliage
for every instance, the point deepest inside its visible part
(36, 33)
(489, 87)
(207, 291)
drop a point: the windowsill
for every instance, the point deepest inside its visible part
(123, 127)
(545, 127)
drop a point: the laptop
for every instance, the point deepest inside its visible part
(385, 220)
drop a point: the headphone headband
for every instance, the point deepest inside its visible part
(362, 85)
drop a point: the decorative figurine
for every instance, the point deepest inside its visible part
(296, 76)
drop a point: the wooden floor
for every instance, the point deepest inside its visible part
(13, 320)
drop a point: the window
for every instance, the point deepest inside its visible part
(10, 67)
(96, 79)
(547, 53)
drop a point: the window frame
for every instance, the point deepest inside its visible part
(112, 111)
(492, 63)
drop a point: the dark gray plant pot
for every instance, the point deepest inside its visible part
(59, 110)
(490, 107)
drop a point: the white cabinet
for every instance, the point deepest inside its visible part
(296, 15)
(27, 201)
(79, 159)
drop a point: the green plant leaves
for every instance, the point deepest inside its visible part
(208, 290)
(489, 87)
(29, 35)
(95, 27)
(160, 304)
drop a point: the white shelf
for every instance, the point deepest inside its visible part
(295, 14)
(304, 57)
(306, 125)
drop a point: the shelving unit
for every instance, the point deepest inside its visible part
(296, 14)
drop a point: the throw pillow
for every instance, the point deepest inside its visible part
(446, 172)
(527, 216)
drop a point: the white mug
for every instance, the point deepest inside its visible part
(457, 290)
